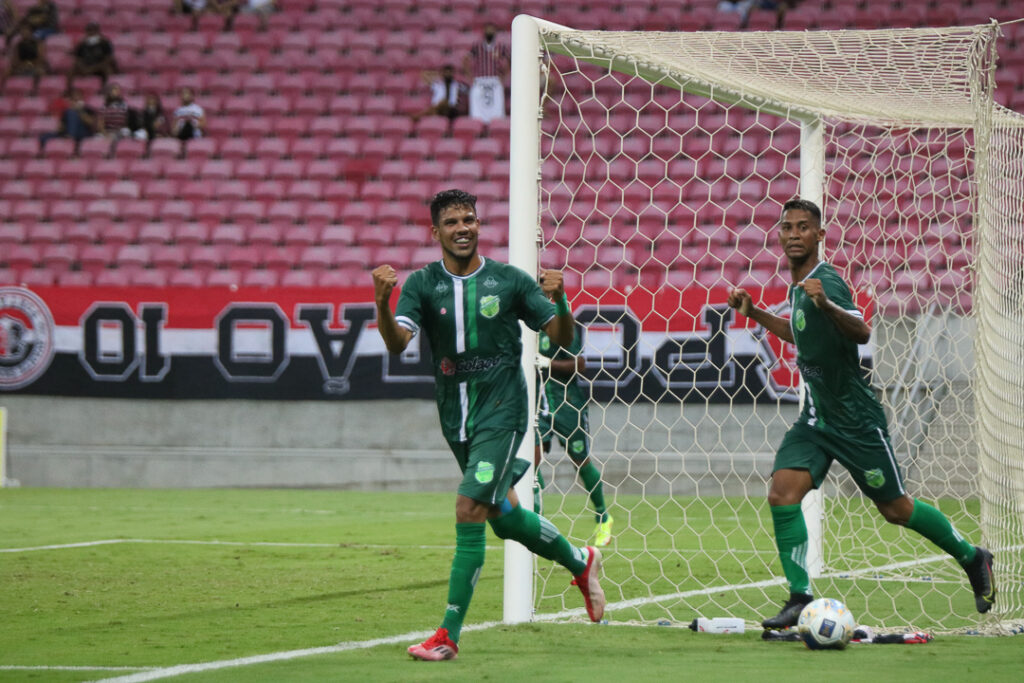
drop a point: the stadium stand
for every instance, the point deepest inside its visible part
(312, 171)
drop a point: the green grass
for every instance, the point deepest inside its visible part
(367, 566)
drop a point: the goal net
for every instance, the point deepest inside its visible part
(651, 168)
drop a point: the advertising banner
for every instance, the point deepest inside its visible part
(322, 344)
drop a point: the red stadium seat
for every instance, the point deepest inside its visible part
(261, 278)
(191, 233)
(186, 278)
(298, 278)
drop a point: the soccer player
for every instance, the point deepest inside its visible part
(562, 412)
(470, 307)
(841, 419)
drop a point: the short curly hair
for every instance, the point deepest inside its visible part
(448, 198)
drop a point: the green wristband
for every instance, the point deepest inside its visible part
(562, 306)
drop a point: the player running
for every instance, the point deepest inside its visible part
(469, 308)
(562, 412)
(841, 418)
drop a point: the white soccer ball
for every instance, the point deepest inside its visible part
(826, 624)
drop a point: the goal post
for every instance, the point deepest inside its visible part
(651, 168)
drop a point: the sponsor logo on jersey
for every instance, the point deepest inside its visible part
(809, 370)
(26, 337)
(450, 367)
(490, 306)
(490, 282)
(799, 320)
(874, 478)
(484, 472)
(441, 287)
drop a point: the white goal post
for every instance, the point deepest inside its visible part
(651, 167)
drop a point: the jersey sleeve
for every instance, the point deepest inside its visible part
(839, 293)
(409, 310)
(535, 309)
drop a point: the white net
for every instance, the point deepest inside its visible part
(664, 163)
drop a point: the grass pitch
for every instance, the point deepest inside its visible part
(116, 583)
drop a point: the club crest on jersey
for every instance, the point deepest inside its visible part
(874, 478)
(490, 282)
(484, 472)
(545, 342)
(799, 321)
(577, 447)
(490, 306)
(26, 337)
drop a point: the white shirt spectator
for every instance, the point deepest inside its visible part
(189, 113)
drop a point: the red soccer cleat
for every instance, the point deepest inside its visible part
(590, 586)
(436, 648)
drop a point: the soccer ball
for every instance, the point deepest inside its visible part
(826, 624)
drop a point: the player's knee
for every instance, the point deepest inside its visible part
(779, 497)
(896, 511)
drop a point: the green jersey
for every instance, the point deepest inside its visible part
(472, 327)
(559, 389)
(837, 398)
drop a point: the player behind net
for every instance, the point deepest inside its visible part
(562, 413)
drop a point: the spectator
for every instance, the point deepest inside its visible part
(94, 56)
(8, 20)
(149, 122)
(28, 58)
(485, 66)
(447, 95)
(114, 114)
(42, 19)
(75, 119)
(189, 119)
(261, 8)
(197, 8)
(745, 7)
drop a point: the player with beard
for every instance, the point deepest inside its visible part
(841, 418)
(469, 308)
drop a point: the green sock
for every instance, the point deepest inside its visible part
(591, 477)
(933, 525)
(470, 543)
(791, 538)
(540, 537)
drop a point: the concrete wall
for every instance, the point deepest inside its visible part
(397, 445)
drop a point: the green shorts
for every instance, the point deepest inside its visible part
(868, 457)
(570, 425)
(489, 464)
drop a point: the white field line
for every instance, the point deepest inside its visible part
(170, 672)
(14, 667)
(266, 544)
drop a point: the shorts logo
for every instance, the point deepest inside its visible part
(484, 472)
(26, 337)
(800, 322)
(577, 447)
(874, 478)
(447, 367)
(489, 306)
